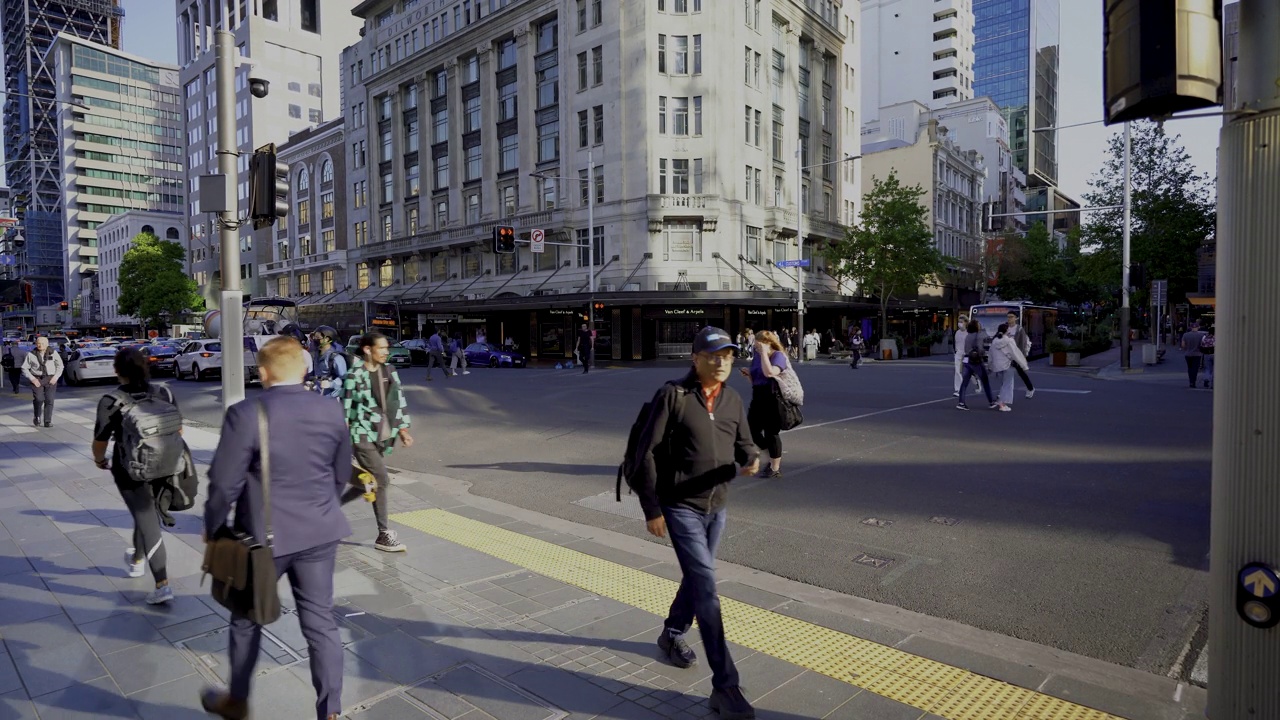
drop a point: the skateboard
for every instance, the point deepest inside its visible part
(361, 478)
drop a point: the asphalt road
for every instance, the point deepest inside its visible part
(1079, 521)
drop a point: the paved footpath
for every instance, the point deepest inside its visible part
(495, 612)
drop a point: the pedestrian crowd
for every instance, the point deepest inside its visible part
(992, 363)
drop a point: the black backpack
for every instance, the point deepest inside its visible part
(629, 469)
(346, 357)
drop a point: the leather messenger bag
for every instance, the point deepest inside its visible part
(243, 569)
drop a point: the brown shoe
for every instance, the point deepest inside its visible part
(217, 702)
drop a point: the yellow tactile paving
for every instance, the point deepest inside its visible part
(931, 686)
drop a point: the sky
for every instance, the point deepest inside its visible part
(150, 31)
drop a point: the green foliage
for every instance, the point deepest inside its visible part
(153, 281)
(891, 251)
(1030, 267)
(1055, 344)
(1173, 212)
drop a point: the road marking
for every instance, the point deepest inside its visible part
(949, 692)
(1064, 392)
(867, 415)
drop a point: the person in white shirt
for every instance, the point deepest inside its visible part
(1005, 355)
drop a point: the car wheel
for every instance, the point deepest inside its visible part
(177, 371)
(71, 379)
(493, 362)
(198, 372)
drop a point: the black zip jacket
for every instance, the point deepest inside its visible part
(687, 458)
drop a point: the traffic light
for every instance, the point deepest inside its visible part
(504, 239)
(63, 305)
(1160, 57)
(268, 187)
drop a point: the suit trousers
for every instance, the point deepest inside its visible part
(42, 399)
(311, 577)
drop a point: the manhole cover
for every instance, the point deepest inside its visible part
(940, 520)
(869, 561)
(877, 522)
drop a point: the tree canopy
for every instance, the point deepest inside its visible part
(1031, 267)
(891, 251)
(1173, 212)
(154, 286)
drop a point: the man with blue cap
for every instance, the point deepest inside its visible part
(695, 442)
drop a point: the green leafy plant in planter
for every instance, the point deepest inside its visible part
(1058, 349)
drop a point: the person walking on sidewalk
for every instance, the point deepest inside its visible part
(1190, 344)
(378, 416)
(974, 362)
(332, 362)
(435, 354)
(458, 357)
(1020, 338)
(695, 442)
(763, 419)
(12, 363)
(134, 372)
(306, 520)
(1005, 355)
(1206, 348)
(43, 368)
(584, 349)
(856, 345)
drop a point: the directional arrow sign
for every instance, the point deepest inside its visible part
(1259, 581)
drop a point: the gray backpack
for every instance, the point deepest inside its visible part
(150, 423)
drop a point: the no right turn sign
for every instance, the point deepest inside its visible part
(537, 240)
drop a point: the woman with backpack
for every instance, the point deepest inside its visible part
(134, 371)
(766, 423)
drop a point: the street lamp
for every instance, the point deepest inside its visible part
(591, 236)
(1125, 206)
(800, 238)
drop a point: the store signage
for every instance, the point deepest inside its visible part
(383, 321)
(758, 312)
(683, 311)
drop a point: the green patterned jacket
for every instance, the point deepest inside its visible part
(363, 415)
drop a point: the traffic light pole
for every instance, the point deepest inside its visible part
(591, 252)
(1125, 360)
(231, 300)
(1243, 597)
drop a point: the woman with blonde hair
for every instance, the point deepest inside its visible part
(766, 425)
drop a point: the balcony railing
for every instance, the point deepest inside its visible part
(333, 257)
(687, 202)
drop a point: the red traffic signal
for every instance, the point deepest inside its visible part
(63, 305)
(504, 239)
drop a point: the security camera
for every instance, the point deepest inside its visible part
(258, 87)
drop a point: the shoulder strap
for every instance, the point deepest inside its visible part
(264, 458)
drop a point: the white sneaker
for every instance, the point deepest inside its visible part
(955, 394)
(160, 595)
(466, 372)
(135, 569)
(1031, 393)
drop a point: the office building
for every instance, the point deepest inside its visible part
(309, 251)
(32, 117)
(979, 125)
(120, 143)
(5, 207)
(916, 50)
(1016, 55)
(115, 236)
(295, 46)
(676, 126)
(921, 150)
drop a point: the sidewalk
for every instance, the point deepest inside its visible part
(495, 612)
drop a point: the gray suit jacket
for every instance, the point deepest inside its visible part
(310, 467)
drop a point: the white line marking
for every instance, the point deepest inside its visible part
(870, 414)
(1064, 392)
(354, 614)
(1177, 694)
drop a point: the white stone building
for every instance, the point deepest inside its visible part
(295, 46)
(115, 237)
(979, 124)
(916, 50)
(692, 116)
(952, 177)
(120, 147)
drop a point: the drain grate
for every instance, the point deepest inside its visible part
(869, 561)
(940, 520)
(877, 522)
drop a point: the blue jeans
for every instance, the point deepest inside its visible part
(695, 537)
(967, 373)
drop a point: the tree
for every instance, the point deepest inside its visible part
(1031, 267)
(1173, 212)
(891, 251)
(153, 282)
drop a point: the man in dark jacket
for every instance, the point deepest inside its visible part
(585, 347)
(309, 439)
(695, 442)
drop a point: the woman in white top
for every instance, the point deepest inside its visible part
(1005, 353)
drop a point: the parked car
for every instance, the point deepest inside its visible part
(199, 359)
(491, 355)
(417, 351)
(91, 365)
(161, 357)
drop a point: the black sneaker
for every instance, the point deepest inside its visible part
(961, 406)
(731, 704)
(388, 542)
(677, 650)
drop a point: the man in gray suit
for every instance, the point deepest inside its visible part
(313, 447)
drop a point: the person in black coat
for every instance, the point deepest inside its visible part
(584, 347)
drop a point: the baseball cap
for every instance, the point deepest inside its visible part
(712, 339)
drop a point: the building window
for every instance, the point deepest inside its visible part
(548, 260)
(327, 282)
(662, 176)
(507, 101)
(328, 238)
(597, 242)
(441, 170)
(697, 115)
(282, 287)
(471, 115)
(597, 12)
(388, 192)
(410, 270)
(411, 133)
(326, 172)
(697, 54)
(358, 153)
(680, 116)
(549, 140)
(510, 158)
(683, 241)
(359, 233)
(582, 15)
(680, 177)
(411, 181)
(385, 138)
(548, 86)
(662, 53)
(440, 126)
(584, 137)
(470, 263)
(751, 243)
(473, 208)
(506, 54)
(548, 36)
(362, 276)
(295, 111)
(386, 226)
(304, 212)
(597, 65)
(473, 163)
(385, 273)
(439, 266)
(510, 200)
(680, 54)
(662, 115)
(442, 213)
(582, 71)
(547, 191)
(411, 219)
(777, 191)
(326, 206)
(597, 114)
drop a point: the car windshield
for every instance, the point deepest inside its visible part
(95, 353)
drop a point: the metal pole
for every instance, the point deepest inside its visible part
(591, 252)
(1124, 275)
(1245, 660)
(231, 299)
(800, 248)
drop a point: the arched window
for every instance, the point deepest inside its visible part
(304, 183)
(148, 230)
(326, 171)
(171, 233)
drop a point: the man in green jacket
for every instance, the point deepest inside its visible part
(378, 416)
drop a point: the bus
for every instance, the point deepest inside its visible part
(1037, 320)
